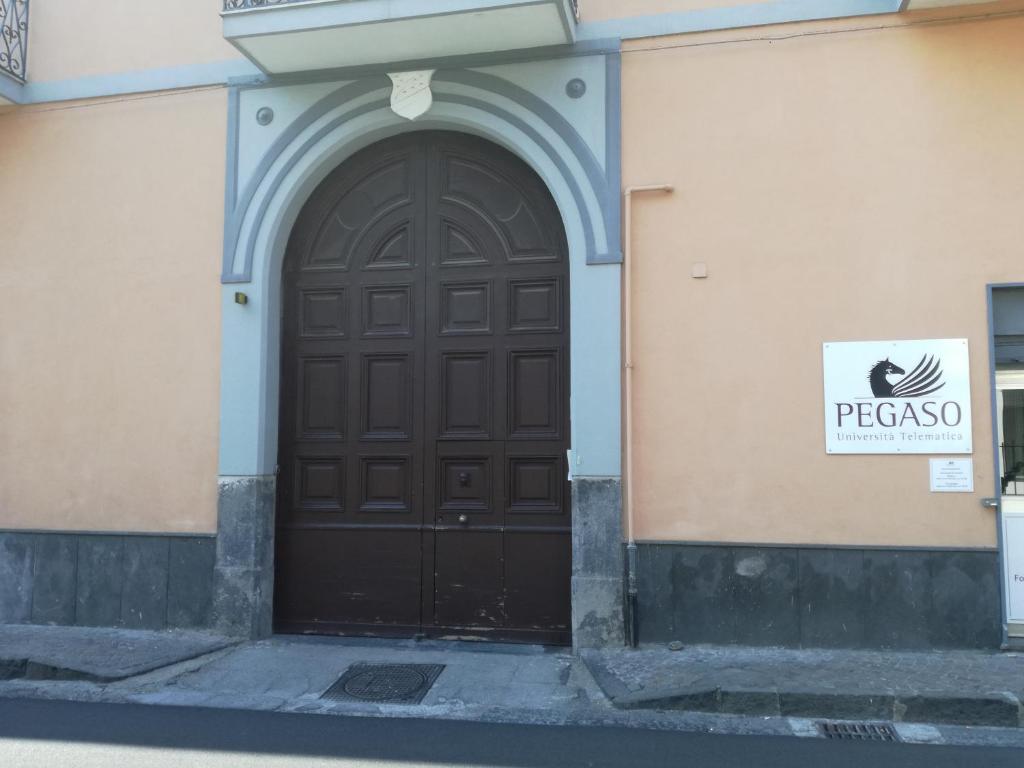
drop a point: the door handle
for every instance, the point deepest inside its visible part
(463, 479)
(463, 519)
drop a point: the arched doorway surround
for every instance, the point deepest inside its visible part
(581, 174)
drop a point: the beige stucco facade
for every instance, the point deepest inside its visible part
(842, 180)
(857, 178)
(112, 214)
(856, 185)
(599, 10)
(79, 38)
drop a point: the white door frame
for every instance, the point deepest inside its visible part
(1011, 517)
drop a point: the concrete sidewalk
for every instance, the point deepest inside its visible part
(959, 687)
(95, 654)
(931, 697)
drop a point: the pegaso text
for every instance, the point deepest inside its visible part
(897, 414)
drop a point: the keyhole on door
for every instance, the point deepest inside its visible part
(463, 479)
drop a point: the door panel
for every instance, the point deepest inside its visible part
(470, 580)
(534, 387)
(538, 571)
(386, 395)
(425, 394)
(333, 581)
(465, 388)
(322, 385)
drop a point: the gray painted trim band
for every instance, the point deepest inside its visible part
(143, 81)
(241, 72)
(237, 218)
(592, 38)
(996, 475)
(231, 182)
(250, 247)
(733, 17)
(231, 179)
(613, 155)
(851, 547)
(151, 534)
(236, 212)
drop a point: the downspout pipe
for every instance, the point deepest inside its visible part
(632, 616)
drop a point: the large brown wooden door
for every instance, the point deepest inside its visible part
(424, 400)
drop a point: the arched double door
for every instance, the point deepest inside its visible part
(424, 422)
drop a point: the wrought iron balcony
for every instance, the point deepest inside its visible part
(283, 36)
(14, 38)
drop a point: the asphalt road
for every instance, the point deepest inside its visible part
(56, 734)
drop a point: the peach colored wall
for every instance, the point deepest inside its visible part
(597, 10)
(851, 186)
(112, 216)
(83, 38)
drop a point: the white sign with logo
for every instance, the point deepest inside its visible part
(898, 397)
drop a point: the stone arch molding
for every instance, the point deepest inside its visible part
(304, 145)
(358, 114)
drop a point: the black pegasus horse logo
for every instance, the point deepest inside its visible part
(923, 380)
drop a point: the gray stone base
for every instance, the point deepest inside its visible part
(106, 580)
(694, 593)
(597, 563)
(243, 603)
(818, 597)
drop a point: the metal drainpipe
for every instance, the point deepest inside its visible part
(632, 617)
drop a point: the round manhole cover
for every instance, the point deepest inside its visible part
(385, 683)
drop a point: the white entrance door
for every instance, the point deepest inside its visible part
(1010, 403)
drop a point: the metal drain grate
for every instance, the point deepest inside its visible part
(858, 731)
(385, 683)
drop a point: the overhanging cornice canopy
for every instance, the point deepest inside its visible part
(294, 36)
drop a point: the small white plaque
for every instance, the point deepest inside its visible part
(952, 475)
